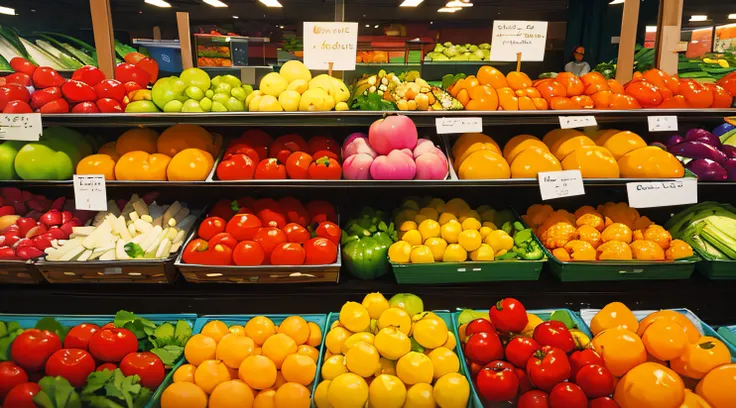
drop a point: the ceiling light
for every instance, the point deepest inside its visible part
(157, 3)
(651, 29)
(411, 3)
(458, 4)
(698, 17)
(235, 16)
(215, 3)
(616, 2)
(367, 26)
(281, 27)
(732, 16)
(376, 26)
(271, 3)
(447, 10)
(7, 10)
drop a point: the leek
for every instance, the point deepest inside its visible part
(42, 57)
(79, 55)
(67, 60)
(4, 64)
(14, 41)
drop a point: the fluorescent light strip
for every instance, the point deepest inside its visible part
(215, 3)
(732, 16)
(411, 3)
(158, 3)
(457, 4)
(7, 10)
(271, 3)
(447, 10)
(616, 2)
(698, 17)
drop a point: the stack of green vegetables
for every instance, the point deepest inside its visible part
(365, 241)
(525, 246)
(710, 228)
(707, 70)
(643, 61)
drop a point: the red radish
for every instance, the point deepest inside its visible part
(17, 107)
(8, 253)
(58, 204)
(18, 78)
(25, 224)
(78, 91)
(37, 230)
(89, 75)
(19, 64)
(44, 77)
(57, 106)
(13, 92)
(85, 107)
(108, 105)
(57, 233)
(43, 96)
(111, 88)
(29, 252)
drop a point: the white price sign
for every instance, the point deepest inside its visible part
(662, 123)
(448, 126)
(329, 42)
(89, 192)
(572, 122)
(559, 184)
(26, 127)
(512, 37)
(663, 193)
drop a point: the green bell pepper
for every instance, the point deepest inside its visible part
(367, 257)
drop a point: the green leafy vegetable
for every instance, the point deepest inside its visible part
(166, 340)
(169, 355)
(52, 325)
(134, 250)
(111, 389)
(372, 102)
(123, 49)
(8, 332)
(56, 392)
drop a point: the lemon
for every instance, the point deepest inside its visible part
(484, 231)
(399, 252)
(387, 391)
(470, 240)
(430, 333)
(483, 253)
(415, 368)
(421, 254)
(446, 217)
(454, 253)
(386, 366)
(420, 396)
(375, 303)
(429, 229)
(409, 214)
(395, 317)
(348, 391)
(452, 391)
(436, 203)
(407, 226)
(437, 246)
(487, 215)
(444, 361)
(362, 359)
(451, 341)
(450, 231)
(413, 237)
(333, 366)
(456, 205)
(335, 338)
(490, 225)
(420, 218)
(430, 213)
(471, 224)
(470, 214)
(320, 395)
(392, 343)
(410, 204)
(354, 339)
(355, 317)
(534, 321)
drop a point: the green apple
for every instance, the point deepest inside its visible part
(191, 106)
(222, 98)
(216, 81)
(232, 80)
(223, 88)
(76, 145)
(238, 93)
(194, 92)
(142, 107)
(205, 104)
(39, 161)
(167, 89)
(209, 93)
(218, 107)
(196, 77)
(234, 105)
(8, 151)
(173, 106)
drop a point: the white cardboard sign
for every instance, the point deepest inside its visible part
(559, 184)
(662, 123)
(663, 193)
(511, 37)
(448, 126)
(572, 122)
(329, 42)
(26, 127)
(89, 192)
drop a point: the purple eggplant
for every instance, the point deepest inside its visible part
(698, 150)
(702, 135)
(729, 150)
(675, 139)
(723, 129)
(707, 170)
(730, 166)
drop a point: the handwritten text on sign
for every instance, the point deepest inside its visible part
(558, 184)
(448, 126)
(663, 193)
(330, 42)
(26, 127)
(511, 37)
(572, 122)
(90, 193)
(662, 123)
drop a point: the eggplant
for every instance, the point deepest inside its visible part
(707, 170)
(702, 135)
(698, 150)
(675, 139)
(730, 166)
(722, 129)
(729, 150)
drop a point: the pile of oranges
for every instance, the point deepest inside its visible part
(256, 365)
(180, 153)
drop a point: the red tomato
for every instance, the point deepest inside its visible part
(248, 253)
(326, 153)
(317, 143)
(130, 73)
(268, 238)
(509, 316)
(243, 148)
(320, 211)
(57, 106)
(533, 399)
(147, 366)
(296, 233)
(198, 251)
(567, 395)
(89, 75)
(10, 375)
(45, 77)
(33, 347)
(270, 169)
(294, 210)
(43, 96)
(79, 335)
(548, 367)
(223, 238)
(85, 107)
(498, 382)
(595, 381)
(243, 226)
(17, 107)
(110, 325)
(210, 227)
(555, 334)
(474, 369)
(524, 384)
(483, 348)
(603, 402)
(288, 253)
(107, 366)
(111, 345)
(264, 204)
(19, 64)
(647, 94)
(109, 105)
(721, 98)
(329, 230)
(150, 66)
(13, 92)
(110, 88)
(257, 139)
(131, 86)
(21, 396)
(285, 145)
(73, 364)
(272, 217)
(320, 251)
(297, 165)
(520, 349)
(237, 166)
(479, 326)
(325, 168)
(18, 78)
(223, 209)
(133, 57)
(582, 358)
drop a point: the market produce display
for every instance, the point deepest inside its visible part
(709, 155)
(195, 91)
(458, 52)
(709, 69)
(390, 353)
(709, 228)
(251, 232)
(256, 364)
(406, 91)
(432, 230)
(612, 231)
(365, 242)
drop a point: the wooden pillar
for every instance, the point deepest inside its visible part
(156, 33)
(104, 40)
(625, 66)
(669, 25)
(185, 39)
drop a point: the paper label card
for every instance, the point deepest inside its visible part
(662, 123)
(25, 127)
(448, 126)
(572, 122)
(663, 193)
(90, 192)
(326, 42)
(511, 37)
(559, 184)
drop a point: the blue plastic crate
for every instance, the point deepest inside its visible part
(729, 335)
(166, 52)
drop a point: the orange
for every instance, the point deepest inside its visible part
(678, 249)
(296, 328)
(700, 357)
(567, 144)
(692, 332)
(620, 349)
(621, 143)
(308, 351)
(280, 380)
(592, 161)
(717, 387)
(200, 348)
(97, 164)
(139, 165)
(488, 75)
(519, 143)
(183, 395)
(614, 314)
(209, 374)
(614, 251)
(190, 165)
(259, 372)
(531, 161)
(185, 373)
(237, 329)
(215, 329)
(137, 139)
(315, 334)
(232, 394)
(264, 399)
(650, 162)
(475, 147)
(110, 150)
(650, 385)
(233, 373)
(257, 351)
(645, 250)
(665, 339)
(693, 400)
(292, 395)
(259, 329)
(518, 80)
(277, 347)
(551, 137)
(484, 164)
(299, 368)
(233, 349)
(180, 137)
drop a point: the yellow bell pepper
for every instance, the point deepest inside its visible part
(499, 240)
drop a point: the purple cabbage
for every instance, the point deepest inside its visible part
(675, 139)
(730, 166)
(698, 150)
(723, 129)
(702, 135)
(707, 170)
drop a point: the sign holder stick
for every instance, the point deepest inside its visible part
(518, 62)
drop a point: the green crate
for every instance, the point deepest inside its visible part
(465, 272)
(717, 269)
(729, 335)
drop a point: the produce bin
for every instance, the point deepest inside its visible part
(715, 268)
(729, 334)
(621, 270)
(131, 271)
(19, 272)
(319, 319)
(543, 314)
